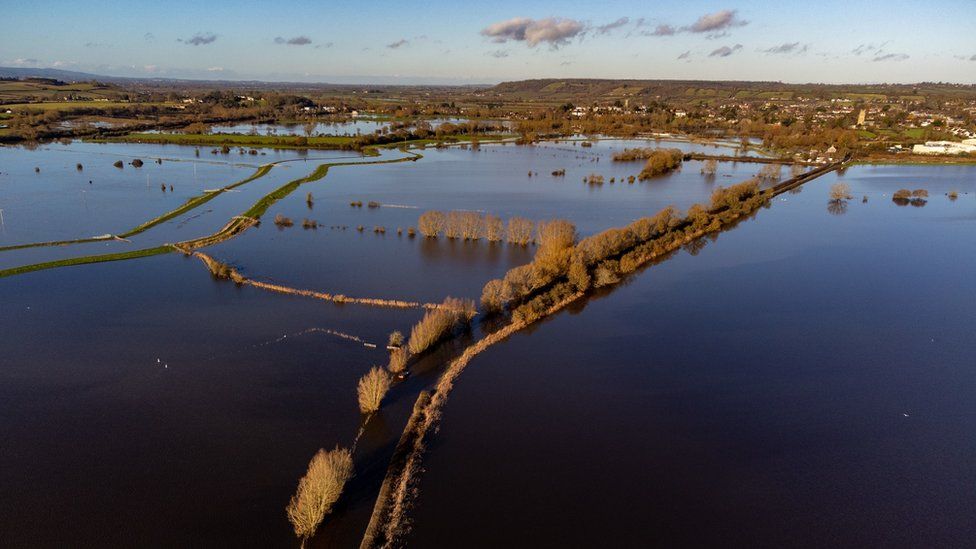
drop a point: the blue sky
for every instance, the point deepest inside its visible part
(465, 42)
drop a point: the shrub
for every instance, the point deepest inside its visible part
(902, 194)
(282, 221)
(519, 281)
(396, 339)
(494, 229)
(117, 164)
(840, 191)
(309, 200)
(356, 203)
(431, 223)
(953, 195)
(411, 232)
(137, 163)
(309, 224)
(555, 239)
(559, 173)
(594, 179)
(318, 490)
(659, 161)
(79, 167)
(555, 234)
(379, 230)
(605, 244)
(578, 275)
(398, 360)
(493, 296)
(628, 263)
(372, 204)
(519, 231)
(606, 274)
(438, 322)
(920, 193)
(372, 388)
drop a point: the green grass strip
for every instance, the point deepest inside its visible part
(195, 202)
(86, 260)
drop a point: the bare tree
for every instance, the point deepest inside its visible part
(494, 230)
(519, 231)
(839, 192)
(452, 228)
(472, 226)
(431, 223)
(318, 490)
(372, 388)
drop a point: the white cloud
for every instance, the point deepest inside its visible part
(554, 31)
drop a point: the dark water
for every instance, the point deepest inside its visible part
(757, 388)
(493, 180)
(101, 445)
(806, 379)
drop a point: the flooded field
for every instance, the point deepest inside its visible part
(809, 363)
(355, 126)
(807, 374)
(493, 180)
(46, 196)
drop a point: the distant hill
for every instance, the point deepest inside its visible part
(57, 74)
(75, 76)
(554, 90)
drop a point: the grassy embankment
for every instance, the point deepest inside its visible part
(235, 226)
(86, 260)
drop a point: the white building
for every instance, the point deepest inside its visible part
(946, 147)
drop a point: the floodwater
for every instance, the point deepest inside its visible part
(356, 126)
(61, 202)
(806, 379)
(760, 384)
(339, 258)
(143, 404)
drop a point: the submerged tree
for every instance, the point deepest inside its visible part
(494, 229)
(318, 490)
(839, 192)
(519, 231)
(371, 389)
(710, 167)
(431, 223)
